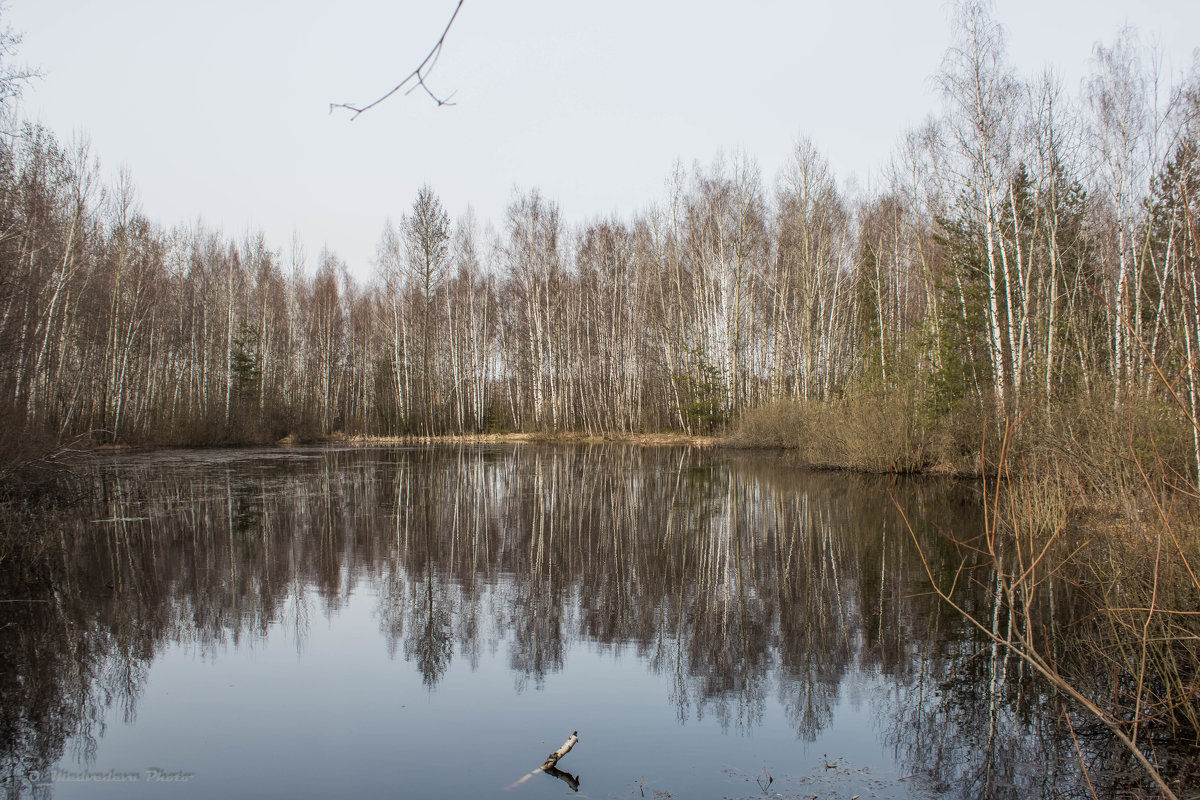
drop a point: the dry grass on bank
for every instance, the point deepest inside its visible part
(1084, 443)
(868, 433)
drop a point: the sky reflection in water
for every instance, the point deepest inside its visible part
(432, 622)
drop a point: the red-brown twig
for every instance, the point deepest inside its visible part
(1024, 649)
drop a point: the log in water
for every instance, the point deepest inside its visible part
(553, 758)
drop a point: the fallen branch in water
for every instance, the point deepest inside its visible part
(548, 766)
(553, 758)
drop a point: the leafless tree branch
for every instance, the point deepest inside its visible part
(415, 79)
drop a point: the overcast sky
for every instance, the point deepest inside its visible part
(220, 109)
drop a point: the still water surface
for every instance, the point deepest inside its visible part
(431, 622)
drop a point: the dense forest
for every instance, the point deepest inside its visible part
(1028, 247)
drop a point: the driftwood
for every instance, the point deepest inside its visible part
(548, 766)
(553, 758)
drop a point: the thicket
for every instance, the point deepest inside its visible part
(1095, 591)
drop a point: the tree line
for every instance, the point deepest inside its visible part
(1025, 246)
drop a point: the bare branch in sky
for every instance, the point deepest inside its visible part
(414, 79)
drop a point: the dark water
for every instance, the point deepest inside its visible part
(432, 622)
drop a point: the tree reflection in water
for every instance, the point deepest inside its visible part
(736, 576)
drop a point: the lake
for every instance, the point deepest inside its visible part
(433, 621)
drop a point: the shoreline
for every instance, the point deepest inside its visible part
(638, 440)
(661, 439)
(561, 437)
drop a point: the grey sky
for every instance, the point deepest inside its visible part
(220, 109)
